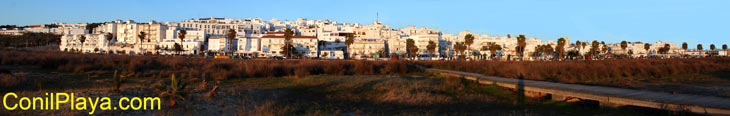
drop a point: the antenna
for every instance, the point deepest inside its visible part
(377, 16)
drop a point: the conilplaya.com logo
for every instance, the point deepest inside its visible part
(54, 101)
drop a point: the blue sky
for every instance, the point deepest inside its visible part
(692, 21)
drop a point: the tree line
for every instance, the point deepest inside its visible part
(29, 40)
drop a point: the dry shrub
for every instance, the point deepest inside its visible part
(413, 97)
(215, 68)
(397, 67)
(335, 69)
(364, 68)
(8, 80)
(588, 72)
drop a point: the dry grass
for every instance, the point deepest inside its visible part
(607, 72)
(159, 66)
(402, 94)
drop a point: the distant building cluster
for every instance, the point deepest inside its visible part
(325, 39)
(55, 28)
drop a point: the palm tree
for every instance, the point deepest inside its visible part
(181, 36)
(521, 45)
(431, 48)
(109, 38)
(349, 39)
(604, 48)
(549, 50)
(560, 48)
(493, 47)
(321, 44)
(468, 40)
(712, 47)
(411, 48)
(177, 48)
(724, 46)
(594, 47)
(141, 37)
(572, 54)
(665, 49)
(485, 48)
(459, 48)
(82, 39)
(624, 45)
(646, 47)
(230, 36)
(288, 47)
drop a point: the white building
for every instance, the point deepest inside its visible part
(93, 43)
(273, 42)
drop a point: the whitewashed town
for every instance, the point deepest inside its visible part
(325, 39)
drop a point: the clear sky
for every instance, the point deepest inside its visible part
(692, 21)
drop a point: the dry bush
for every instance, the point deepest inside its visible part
(151, 66)
(605, 72)
(8, 80)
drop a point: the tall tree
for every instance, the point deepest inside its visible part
(724, 46)
(646, 47)
(712, 47)
(573, 53)
(141, 38)
(177, 48)
(349, 40)
(547, 50)
(624, 45)
(460, 47)
(320, 45)
(577, 44)
(287, 49)
(604, 48)
(665, 49)
(484, 48)
(521, 44)
(494, 47)
(109, 37)
(560, 48)
(468, 40)
(411, 48)
(594, 47)
(431, 48)
(230, 36)
(181, 35)
(684, 46)
(456, 47)
(82, 39)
